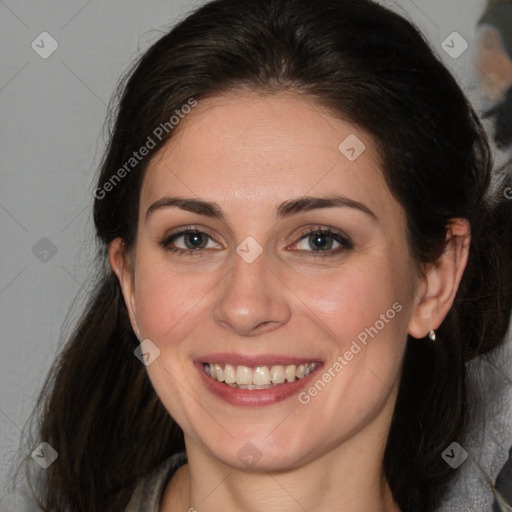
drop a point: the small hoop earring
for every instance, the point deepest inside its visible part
(432, 335)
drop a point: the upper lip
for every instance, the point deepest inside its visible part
(260, 360)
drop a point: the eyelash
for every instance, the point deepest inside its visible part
(344, 241)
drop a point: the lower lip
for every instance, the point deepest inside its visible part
(254, 397)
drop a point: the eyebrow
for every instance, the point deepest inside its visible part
(286, 209)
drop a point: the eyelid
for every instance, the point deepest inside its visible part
(188, 228)
(319, 228)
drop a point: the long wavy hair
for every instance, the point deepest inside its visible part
(369, 66)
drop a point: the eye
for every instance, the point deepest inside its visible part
(187, 241)
(323, 242)
(317, 241)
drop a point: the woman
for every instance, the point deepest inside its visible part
(302, 257)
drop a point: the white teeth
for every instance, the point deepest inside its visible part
(290, 373)
(277, 374)
(243, 375)
(301, 371)
(219, 373)
(260, 377)
(229, 374)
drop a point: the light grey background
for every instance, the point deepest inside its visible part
(52, 112)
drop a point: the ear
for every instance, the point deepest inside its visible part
(491, 38)
(121, 264)
(437, 290)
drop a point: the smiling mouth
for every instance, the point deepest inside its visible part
(257, 377)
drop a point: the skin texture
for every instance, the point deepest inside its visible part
(250, 153)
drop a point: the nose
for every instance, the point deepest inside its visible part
(251, 298)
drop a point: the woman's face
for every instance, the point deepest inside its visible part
(277, 285)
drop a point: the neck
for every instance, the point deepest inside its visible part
(348, 478)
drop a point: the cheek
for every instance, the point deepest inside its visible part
(353, 299)
(164, 298)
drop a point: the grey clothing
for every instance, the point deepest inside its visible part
(149, 490)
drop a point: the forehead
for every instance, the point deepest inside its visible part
(246, 150)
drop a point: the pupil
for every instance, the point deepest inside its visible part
(319, 241)
(194, 241)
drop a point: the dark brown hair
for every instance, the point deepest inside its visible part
(370, 66)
